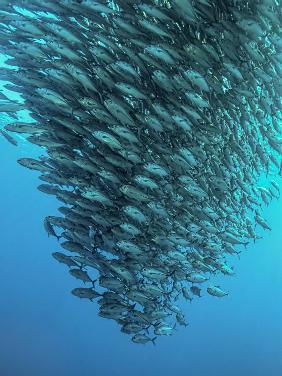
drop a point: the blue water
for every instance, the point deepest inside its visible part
(46, 331)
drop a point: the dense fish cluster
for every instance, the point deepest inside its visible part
(158, 119)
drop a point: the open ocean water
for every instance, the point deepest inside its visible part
(46, 331)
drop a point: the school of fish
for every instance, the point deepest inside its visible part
(158, 118)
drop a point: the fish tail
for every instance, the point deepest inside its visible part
(153, 340)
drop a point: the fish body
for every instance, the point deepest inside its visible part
(216, 291)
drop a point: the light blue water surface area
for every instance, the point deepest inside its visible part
(46, 331)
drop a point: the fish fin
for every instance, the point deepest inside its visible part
(132, 307)
(153, 340)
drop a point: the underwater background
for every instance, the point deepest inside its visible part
(46, 331)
